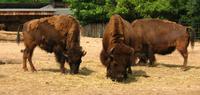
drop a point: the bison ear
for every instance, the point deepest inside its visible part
(65, 34)
(84, 53)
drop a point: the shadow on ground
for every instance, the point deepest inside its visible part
(10, 61)
(2, 76)
(178, 66)
(50, 70)
(83, 71)
(170, 66)
(136, 74)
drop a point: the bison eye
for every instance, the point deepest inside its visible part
(115, 65)
(65, 34)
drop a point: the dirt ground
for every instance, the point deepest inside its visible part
(166, 78)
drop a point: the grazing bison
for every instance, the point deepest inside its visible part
(116, 53)
(162, 37)
(57, 34)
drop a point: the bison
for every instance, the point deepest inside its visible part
(116, 53)
(58, 34)
(162, 37)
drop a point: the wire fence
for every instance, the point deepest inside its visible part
(197, 31)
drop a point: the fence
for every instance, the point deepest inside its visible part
(197, 31)
(97, 29)
(94, 30)
(196, 28)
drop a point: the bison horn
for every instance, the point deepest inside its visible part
(84, 53)
(132, 51)
(65, 55)
(110, 52)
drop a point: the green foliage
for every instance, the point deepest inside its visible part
(88, 11)
(152, 8)
(97, 11)
(126, 8)
(178, 10)
(18, 1)
(193, 13)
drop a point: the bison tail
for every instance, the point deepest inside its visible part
(192, 36)
(18, 34)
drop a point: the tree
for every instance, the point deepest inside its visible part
(16, 1)
(88, 11)
(152, 8)
(98, 11)
(193, 14)
(125, 8)
(178, 11)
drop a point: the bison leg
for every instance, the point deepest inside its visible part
(181, 46)
(25, 56)
(184, 53)
(129, 70)
(60, 59)
(62, 67)
(152, 60)
(30, 54)
(142, 61)
(151, 57)
(129, 65)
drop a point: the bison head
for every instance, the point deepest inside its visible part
(119, 60)
(74, 56)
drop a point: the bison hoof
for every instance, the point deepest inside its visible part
(73, 73)
(25, 69)
(141, 64)
(33, 70)
(130, 72)
(63, 71)
(185, 68)
(152, 65)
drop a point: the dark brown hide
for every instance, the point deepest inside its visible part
(161, 37)
(116, 53)
(57, 34)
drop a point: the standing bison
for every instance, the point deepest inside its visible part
(162, 37)
(57, 34)
(116, 53)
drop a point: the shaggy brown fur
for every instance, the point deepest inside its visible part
(116, 53)
(59, 34)
(162, 37)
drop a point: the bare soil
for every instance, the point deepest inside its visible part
(166, 78)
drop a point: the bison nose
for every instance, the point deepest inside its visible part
(121, 77)
(73, 72)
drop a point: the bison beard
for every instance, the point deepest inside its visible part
(57, 34)
(117, 62)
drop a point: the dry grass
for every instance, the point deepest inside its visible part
(165, 79)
